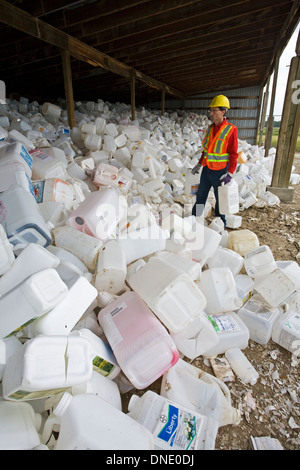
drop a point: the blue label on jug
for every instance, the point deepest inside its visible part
(25, 155)
(169, 430)
(31, 188)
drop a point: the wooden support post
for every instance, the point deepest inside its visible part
(163, 101)
(68, 87)
(132, 94)
(269, 131)
(289, 127)
(264, 113)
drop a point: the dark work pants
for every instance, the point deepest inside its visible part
(209, 178)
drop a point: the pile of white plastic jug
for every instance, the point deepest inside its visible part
(107, 283)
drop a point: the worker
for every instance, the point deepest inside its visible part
(219, 156)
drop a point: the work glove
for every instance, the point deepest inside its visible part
(196, 169)
(225, 179)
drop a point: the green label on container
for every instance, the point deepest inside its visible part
(102, 366)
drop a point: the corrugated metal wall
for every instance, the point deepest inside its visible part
(244, 110)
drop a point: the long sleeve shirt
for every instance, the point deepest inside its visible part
(232, 148)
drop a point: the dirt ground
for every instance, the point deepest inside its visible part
(271, 407)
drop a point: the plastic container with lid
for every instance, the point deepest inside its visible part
(105, 174)
(19, 426)
(200, 391)
(259, 318)
(51, 110)
(169, 292)
(22, 219)
(31, 299)
(241, 366)
(174, 427)
(87, 422)
(141, 344)
(232, 332)
(46, 365)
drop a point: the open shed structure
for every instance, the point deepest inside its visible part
(166, 53)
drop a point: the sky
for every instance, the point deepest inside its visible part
(283, 73)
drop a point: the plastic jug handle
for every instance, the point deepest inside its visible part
(48, 427)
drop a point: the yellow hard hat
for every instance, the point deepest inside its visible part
(220, 101)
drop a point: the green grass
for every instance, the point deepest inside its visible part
(275, 138)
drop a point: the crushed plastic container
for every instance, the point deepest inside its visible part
(19, 426)
(141, 344)
(219, 289)
(46, 365)
(232, 333)
(87, 422)
(200, 391)
(169, 292)
(242, 241)
(38, 294)
(180, 429)
(259, 318)
(241, 366)
(22, 219)
(260, 261)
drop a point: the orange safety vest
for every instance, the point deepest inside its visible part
(215, 154)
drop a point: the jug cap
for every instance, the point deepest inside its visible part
(63, 404)
(133, 401)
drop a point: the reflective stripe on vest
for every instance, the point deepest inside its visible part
(217, 154)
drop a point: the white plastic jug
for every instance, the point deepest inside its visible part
(208, 242)
(51, 110)
(233, 221)
(169, 292)
(189, 266)
(63, 317)
(87, 422)
(103, 359)
(292, 270)
(232, 333)
(68, 259)
(242, 241)
(15, 174)
(219, 289)
(100, 386)
(200, 391)
(259, 318)
(8, 347)
(244, 286)
(241, 366)
(99, 214)
(228, 198)
(260, 261)
(111, 269)
(7, 256)
(174, 427)
(19, 426)
(80, 244)
(286, 332)
(38, 294)
(142, 242)
(191, 183)
(196, 338)
(46, 166)
(275, 287)
(105, 174)
(32, 259)
(22, 219)
(142, 346)
(224, 257)
(16, 153)
(54, 189)
(46, 365)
